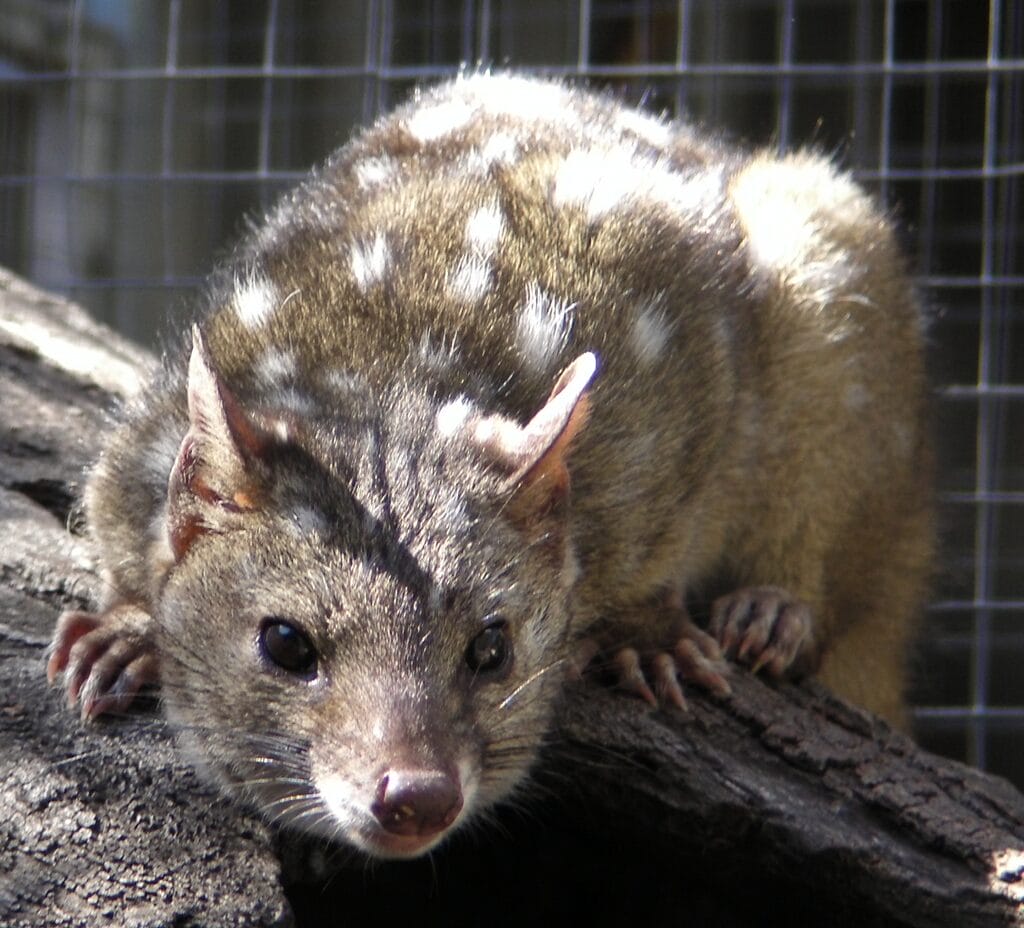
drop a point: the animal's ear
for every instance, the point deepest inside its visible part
(534, 455)
(215, 474)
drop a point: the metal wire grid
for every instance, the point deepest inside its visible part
(135, 133)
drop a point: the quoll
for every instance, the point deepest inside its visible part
(508, 381)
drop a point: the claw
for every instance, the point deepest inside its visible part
(122, 690)
(105, 659)
(71, 626)
(666, 680)
(631, 675)
(762, 626)
(694, 659)
(696, 667)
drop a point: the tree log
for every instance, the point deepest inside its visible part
(777, 804)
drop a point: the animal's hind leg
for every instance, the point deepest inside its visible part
(880, 597)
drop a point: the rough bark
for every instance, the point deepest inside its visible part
(101, 825)
(778, 804)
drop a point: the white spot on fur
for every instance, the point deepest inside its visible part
(786, 209)
(779, 229)
(277, 370)
(526, 99)
(471, 278)
(485, 431)
(375, 171)
(369, 261)
(432, 122)
(650, 332)
(696, 196)
(290, 398)
(276, 367)
(500, 148)
(543, 327)
(649, 128)
(603, 180)
(453, 415)
(254, 301)
(484, 228)
(496, 434)
(596, 180)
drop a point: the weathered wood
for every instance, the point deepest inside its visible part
(777, 804)
(105, 824)
(808, 791)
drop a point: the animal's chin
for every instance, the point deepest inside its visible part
(398, 847)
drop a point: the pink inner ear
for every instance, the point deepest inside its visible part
(520, 448)
(214, 412)
(211, 472)
(563, 415)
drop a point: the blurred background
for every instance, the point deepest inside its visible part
(136, 136)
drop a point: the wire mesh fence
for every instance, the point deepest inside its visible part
(135, 135)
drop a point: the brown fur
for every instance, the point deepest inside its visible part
(756, 420)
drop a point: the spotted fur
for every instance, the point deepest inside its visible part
(520, 356)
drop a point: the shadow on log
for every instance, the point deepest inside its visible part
(777, 806)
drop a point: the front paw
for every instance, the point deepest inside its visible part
(658, 676)
(762, 626)
(105, 658)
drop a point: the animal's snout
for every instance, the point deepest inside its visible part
(417, 802)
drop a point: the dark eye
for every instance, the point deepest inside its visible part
(288, 647)
(491, 650)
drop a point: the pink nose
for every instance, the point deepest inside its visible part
(417, 802)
